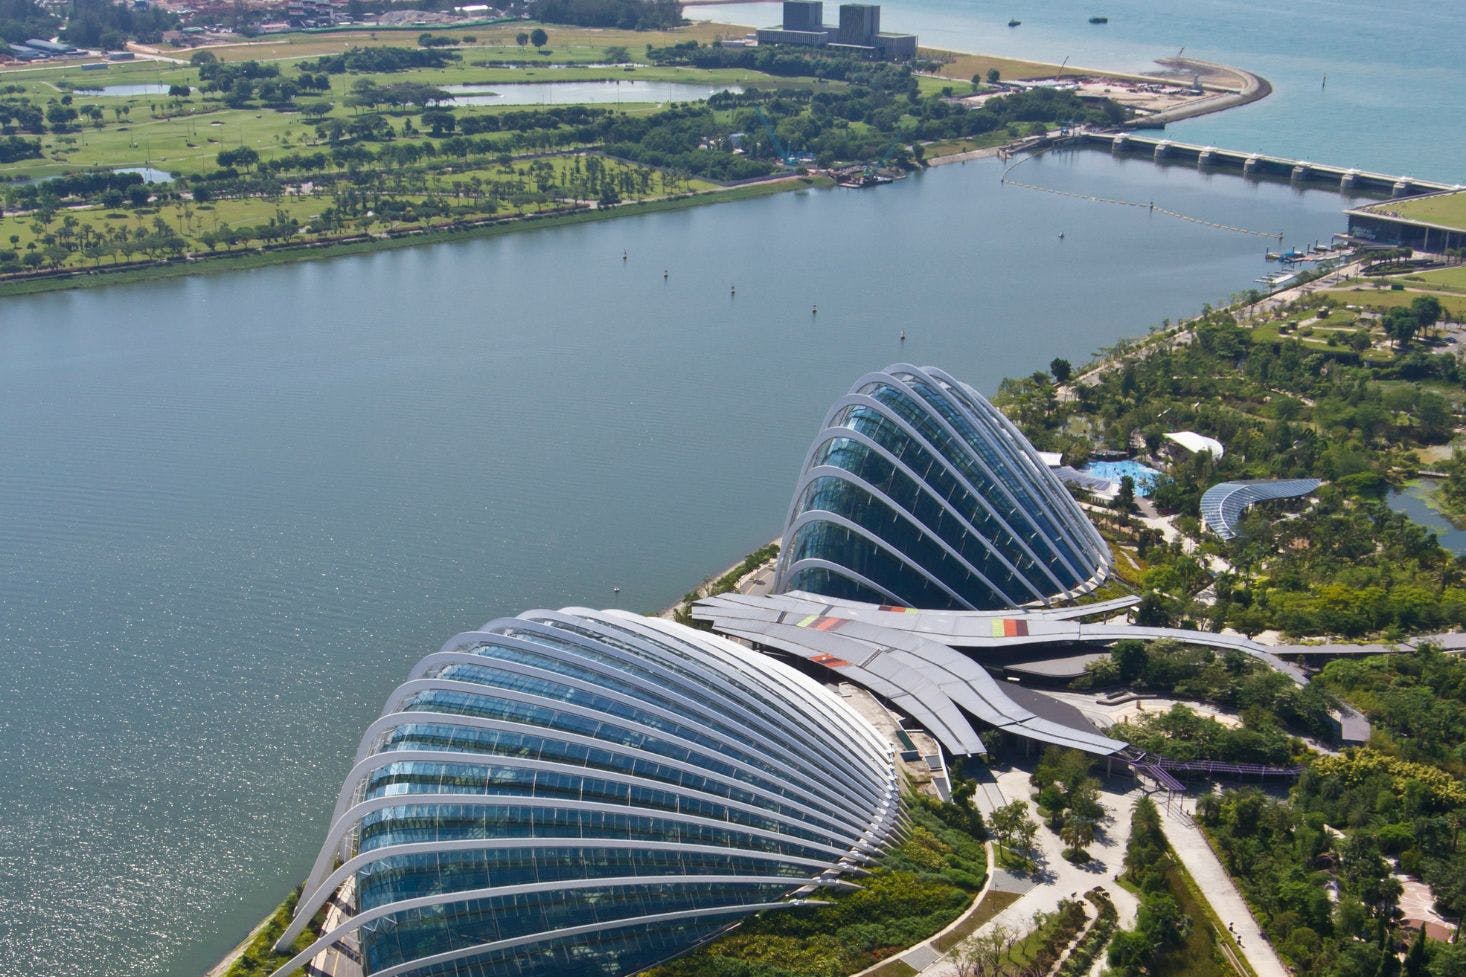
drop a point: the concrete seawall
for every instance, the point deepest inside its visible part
(1239, 87)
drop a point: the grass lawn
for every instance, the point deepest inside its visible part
(192, 220)
(985, 141)
(992, 904)
(1455, 305)
(566, 43)
(1446, 209)
(1448, 279)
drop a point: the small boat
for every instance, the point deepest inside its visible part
(1014, 23)
(1099, 20)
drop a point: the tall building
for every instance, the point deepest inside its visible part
(586, 793)
(919, 492)
(859, 31)
(859, 24)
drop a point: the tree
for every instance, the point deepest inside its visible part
(1125, 498)
(1426, 309)
(993, 76)
(985, 955)
(1400, 325)
(538, 37)
(522, 38)
(1061, 369)
(1013, 827)
(1077, 833)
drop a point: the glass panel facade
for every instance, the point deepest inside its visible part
(581, 771)
(971, 520)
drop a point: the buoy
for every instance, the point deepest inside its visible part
(814, 310)
(903, 335)
(625, 255)
(664, 275)
(732, 289)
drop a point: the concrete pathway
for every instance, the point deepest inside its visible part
(1055, 878)
(1217, 886)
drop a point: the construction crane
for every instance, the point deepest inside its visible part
(780, 150)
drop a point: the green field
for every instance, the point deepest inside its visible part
(1445, 209)
(1446, 279)
(1370, 298)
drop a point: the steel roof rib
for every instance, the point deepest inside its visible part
(1223, 504)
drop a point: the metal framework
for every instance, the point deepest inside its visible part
(1222, 505)
(918, 491)
(588, 792)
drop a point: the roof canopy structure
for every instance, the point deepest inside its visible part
(1222, 505)
(1196, 443)
(927, 680)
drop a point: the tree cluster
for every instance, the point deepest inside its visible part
(1160, 924)
(627, 15)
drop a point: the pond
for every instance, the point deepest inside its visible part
(148, 173)
(1414, 501)
(582, 92)
(124, 91)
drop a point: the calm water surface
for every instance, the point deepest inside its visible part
(234, 509)
(581, 92)
(1396, 78)
(1414, 501)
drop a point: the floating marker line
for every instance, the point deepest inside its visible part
(1270, 235)
(1148, 205)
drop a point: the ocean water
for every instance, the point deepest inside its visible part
(1396, 80)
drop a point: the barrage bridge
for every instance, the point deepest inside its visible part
(1263, 164)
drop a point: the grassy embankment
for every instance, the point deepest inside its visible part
(260, 258)
(1447, 209)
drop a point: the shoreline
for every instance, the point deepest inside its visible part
(288, 252)
(207, 264)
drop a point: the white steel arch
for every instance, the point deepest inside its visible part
(814, 782)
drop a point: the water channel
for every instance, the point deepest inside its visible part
(581, 92)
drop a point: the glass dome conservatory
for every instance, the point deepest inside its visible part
(587, 793)
(919, 492)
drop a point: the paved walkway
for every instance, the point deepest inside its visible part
(1055, 878)
(1217, 886)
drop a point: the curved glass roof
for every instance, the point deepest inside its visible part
(918, 491)
(588, 793)
(1222, 505)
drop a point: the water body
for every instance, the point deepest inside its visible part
(581, 92)
(1143, 476)
(1414, 501)
(125, 91)
(150, 174)
(1396, 79)
(227, 531)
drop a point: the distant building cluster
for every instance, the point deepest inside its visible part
(38, 50)
(859, 31)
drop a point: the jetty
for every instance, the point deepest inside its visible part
(1263, 164)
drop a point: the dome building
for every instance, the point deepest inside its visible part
(919, 492)
(587, 793)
